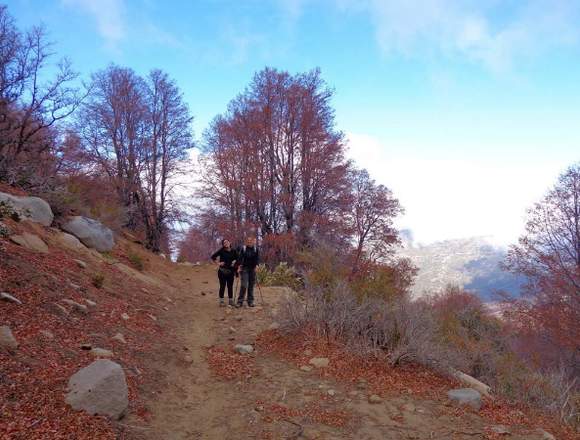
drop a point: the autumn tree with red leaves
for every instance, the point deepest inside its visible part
(548, 254)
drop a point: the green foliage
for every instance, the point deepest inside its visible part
(98, 280)
(136, 261)
(7, 211)
(282, 275)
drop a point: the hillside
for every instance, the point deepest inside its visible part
(160, 322)
(471, 263)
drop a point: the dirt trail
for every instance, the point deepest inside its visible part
(192, 403)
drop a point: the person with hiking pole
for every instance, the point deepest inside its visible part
(248, 260)
(226, 270)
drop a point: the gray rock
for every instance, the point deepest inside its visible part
(119, 337)
(331, 392)
(31, 242)
(7, 339)
(70, 241)
(101, 352)
(91, 233)
(100, 388)
(90, 303)
(546, 435)
(274, 326)
(466, 396)
(124, 316)
(31, 208)
(501, 430)
(319, 362)
(80, 263)
(76, 306)
(7, 297)
(243, 349)
(306, 368)
(232, 330)
(375, 399)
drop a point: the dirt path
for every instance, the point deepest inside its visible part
(272, 400)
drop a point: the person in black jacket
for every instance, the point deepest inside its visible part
(248, 259)
(226, 272)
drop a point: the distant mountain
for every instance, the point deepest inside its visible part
(471, 263)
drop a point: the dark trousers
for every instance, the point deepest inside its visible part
(248, 277)
(226, 277)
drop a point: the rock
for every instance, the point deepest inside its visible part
(153, 317)
(32, 208)
(466, 396)
(7, 297)
(188, 359)
(501, 430)
(91, 233)
(408, 407)
(124, 316)
(90, 303)
(331, 392)
(353, 394)
(545, 435)
(375, 399)
(80, 263)
(232, 330)
(119, 337)
(47, 334)
(306, 368)
(100, 388)
(71, 242)
(319, 362)
(76, 306)
(31, 242)
(238, 318)
(101, 352)
(7, 339)
(274, 326)
(243, 349)
(259, 408)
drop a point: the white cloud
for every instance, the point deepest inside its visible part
(108, 15)
(457, 198)
(485, 31)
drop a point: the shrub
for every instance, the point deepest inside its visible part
(136, 261)
(4, 230)
(98, 280)
(282, 275)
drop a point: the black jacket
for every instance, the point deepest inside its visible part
(226, 257)
(248, 257)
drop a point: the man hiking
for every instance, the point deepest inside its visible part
(248, 259)
(226, 271)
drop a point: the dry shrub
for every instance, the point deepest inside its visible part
(282, 275)
(98, 280)
(136, 261)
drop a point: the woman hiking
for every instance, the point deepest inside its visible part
(226, 272)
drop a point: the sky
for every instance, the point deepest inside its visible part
(467, 109)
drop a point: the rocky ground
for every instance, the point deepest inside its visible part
(194, 370)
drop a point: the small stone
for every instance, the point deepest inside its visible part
(353, 394)
(124, 316)
(501, 430)
(76, 306)
(259, 408)
(409, 407)
(306, 368)
(7, 297)
(232, 330)
(274, 326)
(81, 264)
(243, 349)
(90, 303)
(331, 392)
(187, 358)
(47, 334)
(154, 318)
(101, 353)
(319, 362)
(466, 396)
(119, 337)
(546, 435)
(7, 339)
(238, 318)
(375, 399)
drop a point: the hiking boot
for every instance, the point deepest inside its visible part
(231, 302)
(251, 305)
(239, 305)
(222, 302)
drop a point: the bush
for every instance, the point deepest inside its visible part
(98, 280)
(136, 261)
(282, 275)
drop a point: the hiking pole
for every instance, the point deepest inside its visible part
(260, 290)
(236, 291)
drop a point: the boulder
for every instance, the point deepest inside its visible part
(100, 388)
(466, 397)
(101, 352)
(76, 306)
(243, 349)
(90, 232)
(31, 242)
(70, 241)
(319, 362)
(31, 208)
(7, 339)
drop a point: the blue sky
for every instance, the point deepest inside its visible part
(467, 109)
